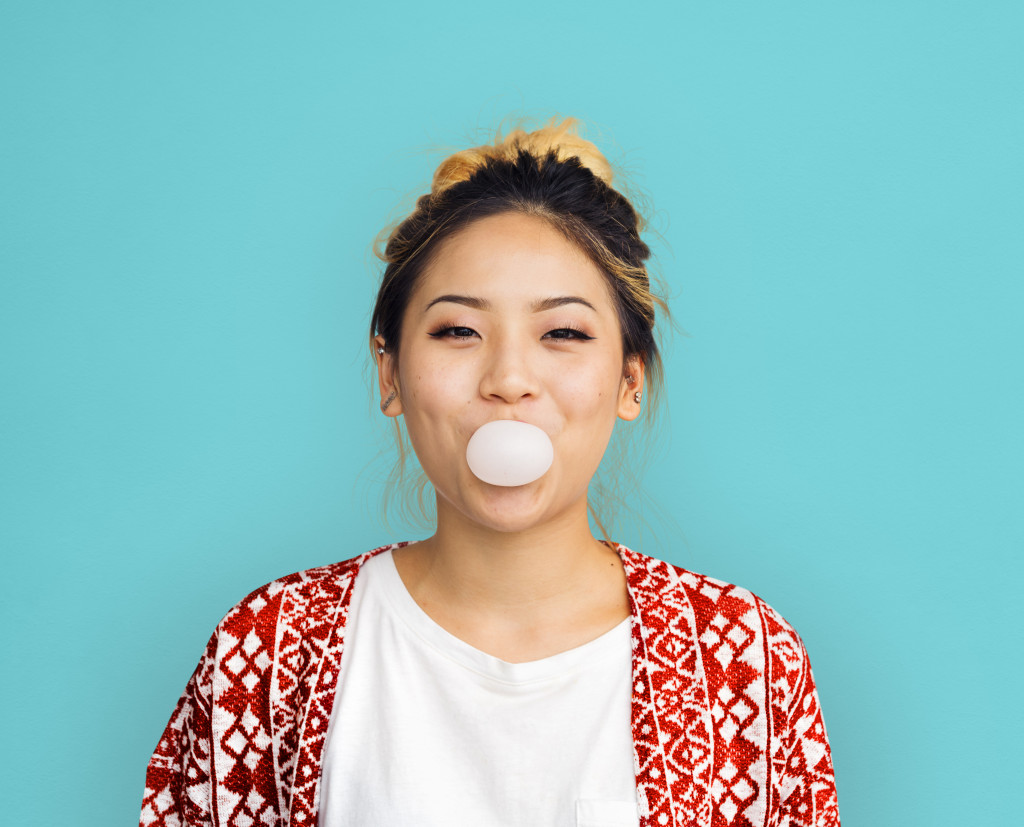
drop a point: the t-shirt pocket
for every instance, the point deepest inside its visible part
(599, 812)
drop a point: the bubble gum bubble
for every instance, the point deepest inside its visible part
(506, 452)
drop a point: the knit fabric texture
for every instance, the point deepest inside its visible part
(727, 728)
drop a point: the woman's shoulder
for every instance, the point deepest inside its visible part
(717, 608)
(301, 595)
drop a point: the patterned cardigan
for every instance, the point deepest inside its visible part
(726, 724)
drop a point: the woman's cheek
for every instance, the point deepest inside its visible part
(586, 394)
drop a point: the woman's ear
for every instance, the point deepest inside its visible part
(631, 388)
(387, 375)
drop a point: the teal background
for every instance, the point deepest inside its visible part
(189, 192)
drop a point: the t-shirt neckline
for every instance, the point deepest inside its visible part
(614, 641)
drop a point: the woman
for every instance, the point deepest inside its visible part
(511, 669)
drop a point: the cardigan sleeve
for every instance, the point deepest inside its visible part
(806, 781)
(178, 787)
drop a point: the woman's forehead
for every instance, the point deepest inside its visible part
(512, 259)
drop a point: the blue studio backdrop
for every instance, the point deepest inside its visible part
(189, 194)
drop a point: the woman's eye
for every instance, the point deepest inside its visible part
(567, 333)
(453, 332)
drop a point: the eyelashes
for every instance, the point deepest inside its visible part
(451, 332)
(574, 333)
(461, 333)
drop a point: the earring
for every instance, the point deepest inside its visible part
(636, 396)
(380, 351)
(389, 400)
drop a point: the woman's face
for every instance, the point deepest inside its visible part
(511, 321)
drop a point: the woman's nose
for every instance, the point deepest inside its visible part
(508, 374)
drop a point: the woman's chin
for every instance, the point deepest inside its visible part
(507, 508)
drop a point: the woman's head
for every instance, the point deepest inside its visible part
(532, 216)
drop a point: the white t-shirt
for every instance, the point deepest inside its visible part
(428, 731)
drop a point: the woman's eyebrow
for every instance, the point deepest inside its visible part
(469, 301)
(558, 301)
(537, 306)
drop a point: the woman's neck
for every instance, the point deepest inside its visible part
(517, 595)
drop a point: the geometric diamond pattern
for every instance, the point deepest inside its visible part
(727, 728)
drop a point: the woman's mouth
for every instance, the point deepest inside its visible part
(509, 452)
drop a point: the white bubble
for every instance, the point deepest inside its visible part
(507, 452)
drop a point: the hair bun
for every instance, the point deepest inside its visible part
(561, 138)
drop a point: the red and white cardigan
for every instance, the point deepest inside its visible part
(727, 729)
